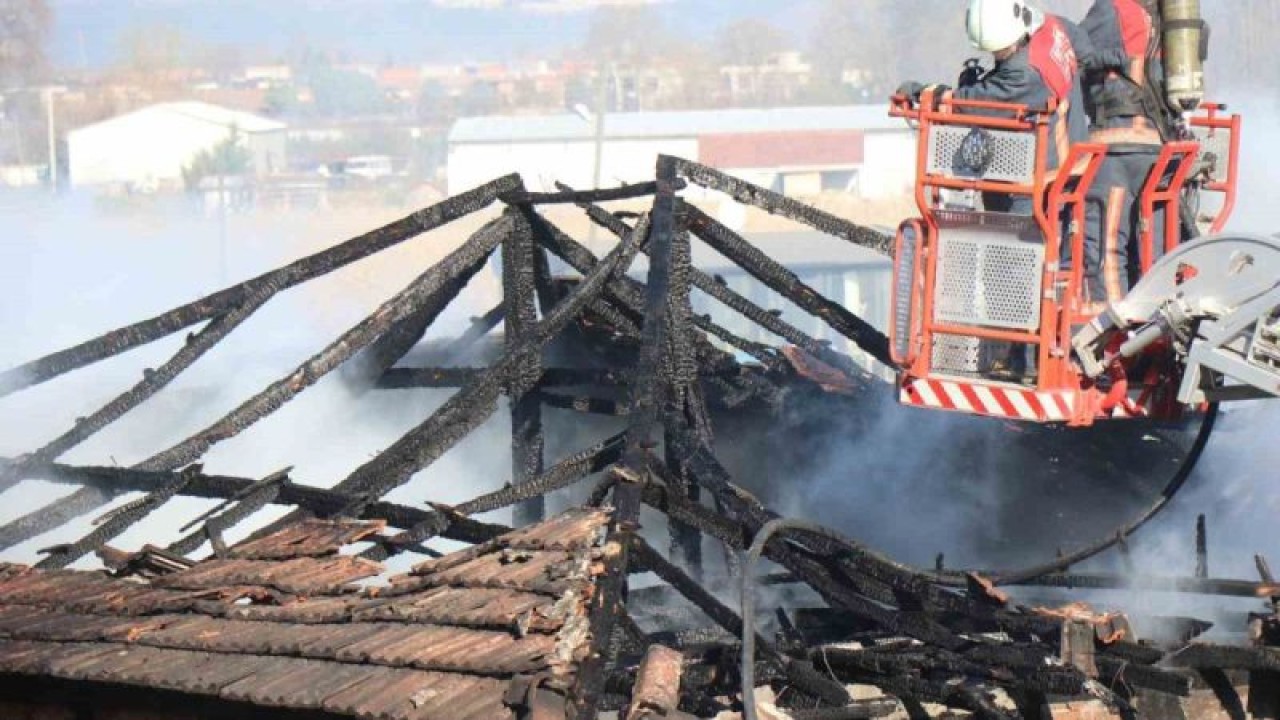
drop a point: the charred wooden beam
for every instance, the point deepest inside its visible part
(678, 506)
(789, 285)
(1224, 657)
(125, 338)
(587, 404)
(767, 355)
(777, 204)
(55, 514)
(773, 323)
(153, 381)
(480, 326)
(316, 500)
(565, 473)
(719, 613)
(231, 513)
(455, 377)
(428, 377)
(1116, 672)
(577, 197)
(387, 350)
(118, 521)
(427, 289)
(1148, 583)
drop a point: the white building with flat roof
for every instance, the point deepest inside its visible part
(150, 146)
(857, 148)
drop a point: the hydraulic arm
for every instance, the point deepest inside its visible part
(1216, 302)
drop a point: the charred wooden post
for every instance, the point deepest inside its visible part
(685, 397)
(649, 393)
(519, 287)
(1202, 548)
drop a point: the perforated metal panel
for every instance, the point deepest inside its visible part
(904, 280)
(988, 280)
(962, 355)
(1217, 144)
(956, 354)
(1013, 154)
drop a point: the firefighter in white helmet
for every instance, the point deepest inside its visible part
(1035, 62)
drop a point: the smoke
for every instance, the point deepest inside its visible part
(75, 268)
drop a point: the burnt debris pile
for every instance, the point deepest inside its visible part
(572, 628)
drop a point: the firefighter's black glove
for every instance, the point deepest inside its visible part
(971, 74)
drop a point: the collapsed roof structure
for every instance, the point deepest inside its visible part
(540, 621)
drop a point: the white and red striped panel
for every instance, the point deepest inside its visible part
(993, 400)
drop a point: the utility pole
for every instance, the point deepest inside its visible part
(222, 228)
(53, 138)
(602, 102)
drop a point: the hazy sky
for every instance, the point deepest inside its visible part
(88, 32)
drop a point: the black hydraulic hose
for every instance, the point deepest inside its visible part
(1175, 484)
(1063, 562)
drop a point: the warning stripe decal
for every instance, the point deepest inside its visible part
(992, 400)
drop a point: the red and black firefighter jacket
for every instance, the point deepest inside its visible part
(1123, 73)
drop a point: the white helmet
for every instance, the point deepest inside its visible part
(997, 24)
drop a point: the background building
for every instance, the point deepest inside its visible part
(800, 151)
(150, 147)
